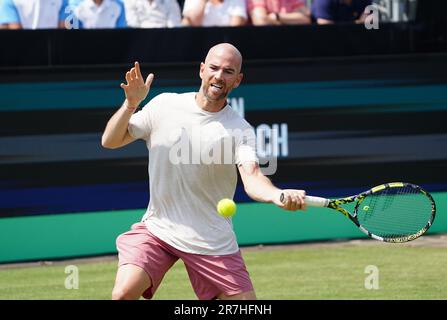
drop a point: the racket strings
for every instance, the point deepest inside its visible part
(395, 212)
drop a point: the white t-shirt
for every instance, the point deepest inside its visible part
(33, 14)
(110, 14)
(187, 180)
(218, 14)
(153, 14)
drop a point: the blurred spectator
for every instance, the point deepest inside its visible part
(209, 13)
(33, 14)
(96, 14)
(278, 12)
(332, 11)
(153, 13)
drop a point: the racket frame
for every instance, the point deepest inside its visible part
(336, 205)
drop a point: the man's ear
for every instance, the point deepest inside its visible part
(202, 68)
(240, 76)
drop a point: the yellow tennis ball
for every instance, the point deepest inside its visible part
(226, 208)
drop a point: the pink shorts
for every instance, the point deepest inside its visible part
(210, 276)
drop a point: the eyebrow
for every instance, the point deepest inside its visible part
(226, 69)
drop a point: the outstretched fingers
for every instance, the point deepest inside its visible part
(149, 80)
(128, 78)
(138, 74)
(136, 89)
(133, 74)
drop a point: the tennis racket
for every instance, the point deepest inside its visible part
(391, 212)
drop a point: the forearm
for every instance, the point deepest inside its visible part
(324, 21)
(195, 15)
(115, 134)
(259, 17)
(261, 189)
(15, 26)
(293, 18)
(362, 18)
(237, 21)
(264, 21)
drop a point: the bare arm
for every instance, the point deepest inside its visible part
(260, 17)
(194, 16)
(15, 26)
(324, 21)
(116, 134)
(362, 18)
(300, 16)
(260, 188)
(237, 21)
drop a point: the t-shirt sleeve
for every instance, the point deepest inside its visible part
(175, 15)
(141, 122)
(251, 4)
(64, 11)
(8, 12)
(296, 4)
(74, 3)
(131, 13)
(121, 22)
(238, 8)
(190, 4)
(246, 147)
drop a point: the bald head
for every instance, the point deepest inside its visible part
(228, 51)
(220, 74)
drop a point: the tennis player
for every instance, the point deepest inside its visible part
(181, 221)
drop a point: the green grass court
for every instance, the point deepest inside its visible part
(315, 271)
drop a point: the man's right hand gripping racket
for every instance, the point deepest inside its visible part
(391, 212)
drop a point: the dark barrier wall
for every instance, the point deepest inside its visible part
(108, 47)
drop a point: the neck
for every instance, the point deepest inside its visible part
(98, 2)
(208, 105)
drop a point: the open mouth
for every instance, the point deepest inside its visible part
(217, 86)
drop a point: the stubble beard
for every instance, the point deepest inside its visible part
(222, 96)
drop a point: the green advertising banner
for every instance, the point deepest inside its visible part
(89, 234)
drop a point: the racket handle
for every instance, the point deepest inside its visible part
(312, 201)
(316, 201)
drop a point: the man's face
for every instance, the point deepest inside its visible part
(220, 74)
